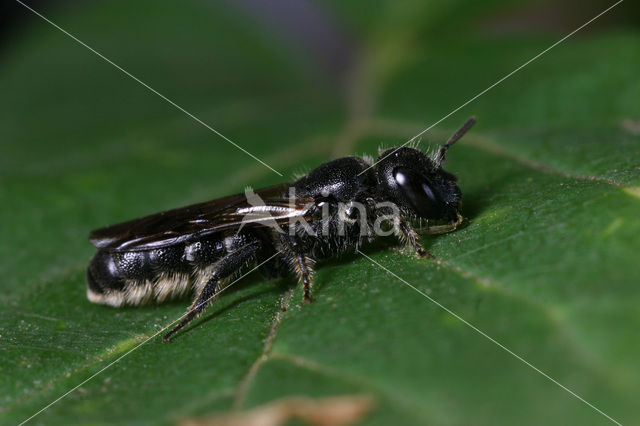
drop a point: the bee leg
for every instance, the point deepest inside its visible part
(197, 307)
(295, 253)
(225, 267)
(408, 235)
(304, 273)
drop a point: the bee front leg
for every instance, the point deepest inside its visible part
(409, 236)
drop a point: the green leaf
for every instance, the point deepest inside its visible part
(546, 264)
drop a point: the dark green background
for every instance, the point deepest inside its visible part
(547, 265)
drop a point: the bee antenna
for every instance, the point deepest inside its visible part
(442, 152)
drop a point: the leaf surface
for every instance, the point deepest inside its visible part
(546, 264)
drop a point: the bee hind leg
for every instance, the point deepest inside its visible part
(197, 307)
(224, 268)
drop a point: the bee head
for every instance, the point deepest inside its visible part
(417, 184)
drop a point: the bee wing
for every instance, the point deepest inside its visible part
(264, 207)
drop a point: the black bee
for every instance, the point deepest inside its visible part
(334, 208)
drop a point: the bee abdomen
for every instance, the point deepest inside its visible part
(154, 276)
(105, 285)
(137, 278)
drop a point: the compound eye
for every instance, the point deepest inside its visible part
(418, 193)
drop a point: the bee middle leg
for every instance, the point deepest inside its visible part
(224, 268)
(302, 264)
(304, 273)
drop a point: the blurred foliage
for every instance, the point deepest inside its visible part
(547, 264)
